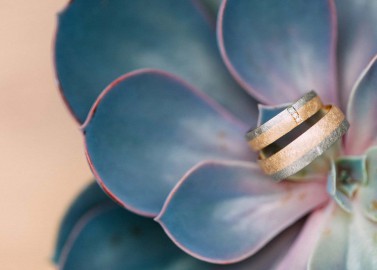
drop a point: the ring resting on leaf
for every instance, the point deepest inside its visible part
(295, 137)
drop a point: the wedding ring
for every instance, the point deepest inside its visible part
(309, 145)
(284, 122)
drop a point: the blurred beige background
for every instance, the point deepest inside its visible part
(42, 161)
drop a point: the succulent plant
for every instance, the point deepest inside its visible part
(164, 93)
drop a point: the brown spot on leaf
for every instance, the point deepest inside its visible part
(116, 239)
(373, 205)
(288, 187)
(327, 231)
(286, 197)
(224, 147)
(302, 196)
(136, 231)
(221, 135)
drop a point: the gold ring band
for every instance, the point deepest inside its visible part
(311, 144)
(284, 122)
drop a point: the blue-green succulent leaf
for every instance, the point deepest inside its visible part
(98, 41)
(279, 50)
(266, 112)
(147, 129)
(273, 254)
(351, 174)
(110, 237)
(340, 198)
(332, 188)
(89, 198)
(212, 7)
(368, 192)
(226, 211)
(362, 112)
(357, 41)
(344, 180)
